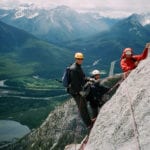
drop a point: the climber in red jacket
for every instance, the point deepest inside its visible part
(129, 61)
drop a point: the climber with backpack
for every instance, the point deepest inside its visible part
(129, 61)
(97, 90)
(75, 80)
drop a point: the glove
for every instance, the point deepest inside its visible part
(82, 93)
(90, 79)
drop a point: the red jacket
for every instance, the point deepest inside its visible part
(129, 63)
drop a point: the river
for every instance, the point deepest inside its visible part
(10, 130)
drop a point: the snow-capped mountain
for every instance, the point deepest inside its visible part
(144, 19)
(54, 25)
(15, 13)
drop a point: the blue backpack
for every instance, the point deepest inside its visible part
(66, 77)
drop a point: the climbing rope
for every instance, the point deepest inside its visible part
(136, 133)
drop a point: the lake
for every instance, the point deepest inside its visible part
(10, 130)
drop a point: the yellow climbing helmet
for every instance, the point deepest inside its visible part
(78, 55)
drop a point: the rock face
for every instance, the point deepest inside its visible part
(124, 122)
(62, 126)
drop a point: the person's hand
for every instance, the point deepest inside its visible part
(126, 74)
(90, 79)
(136, 63)
(82, 93)
(147, 45)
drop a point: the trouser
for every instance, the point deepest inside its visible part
(94, 112)
(83, 110)
(95, 109)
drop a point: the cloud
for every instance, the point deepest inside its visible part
(115, 8)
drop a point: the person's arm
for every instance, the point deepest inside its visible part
(144, 53)
(148, 46)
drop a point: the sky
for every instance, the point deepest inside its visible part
(109, 8)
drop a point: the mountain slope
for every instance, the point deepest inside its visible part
(23, 54)
(61, 127)
(11, 37)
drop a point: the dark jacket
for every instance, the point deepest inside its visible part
(77, 78)
(97, 90)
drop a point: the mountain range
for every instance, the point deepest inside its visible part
(108, 45)
(100, 39)
(54, 25)
(39, 42)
